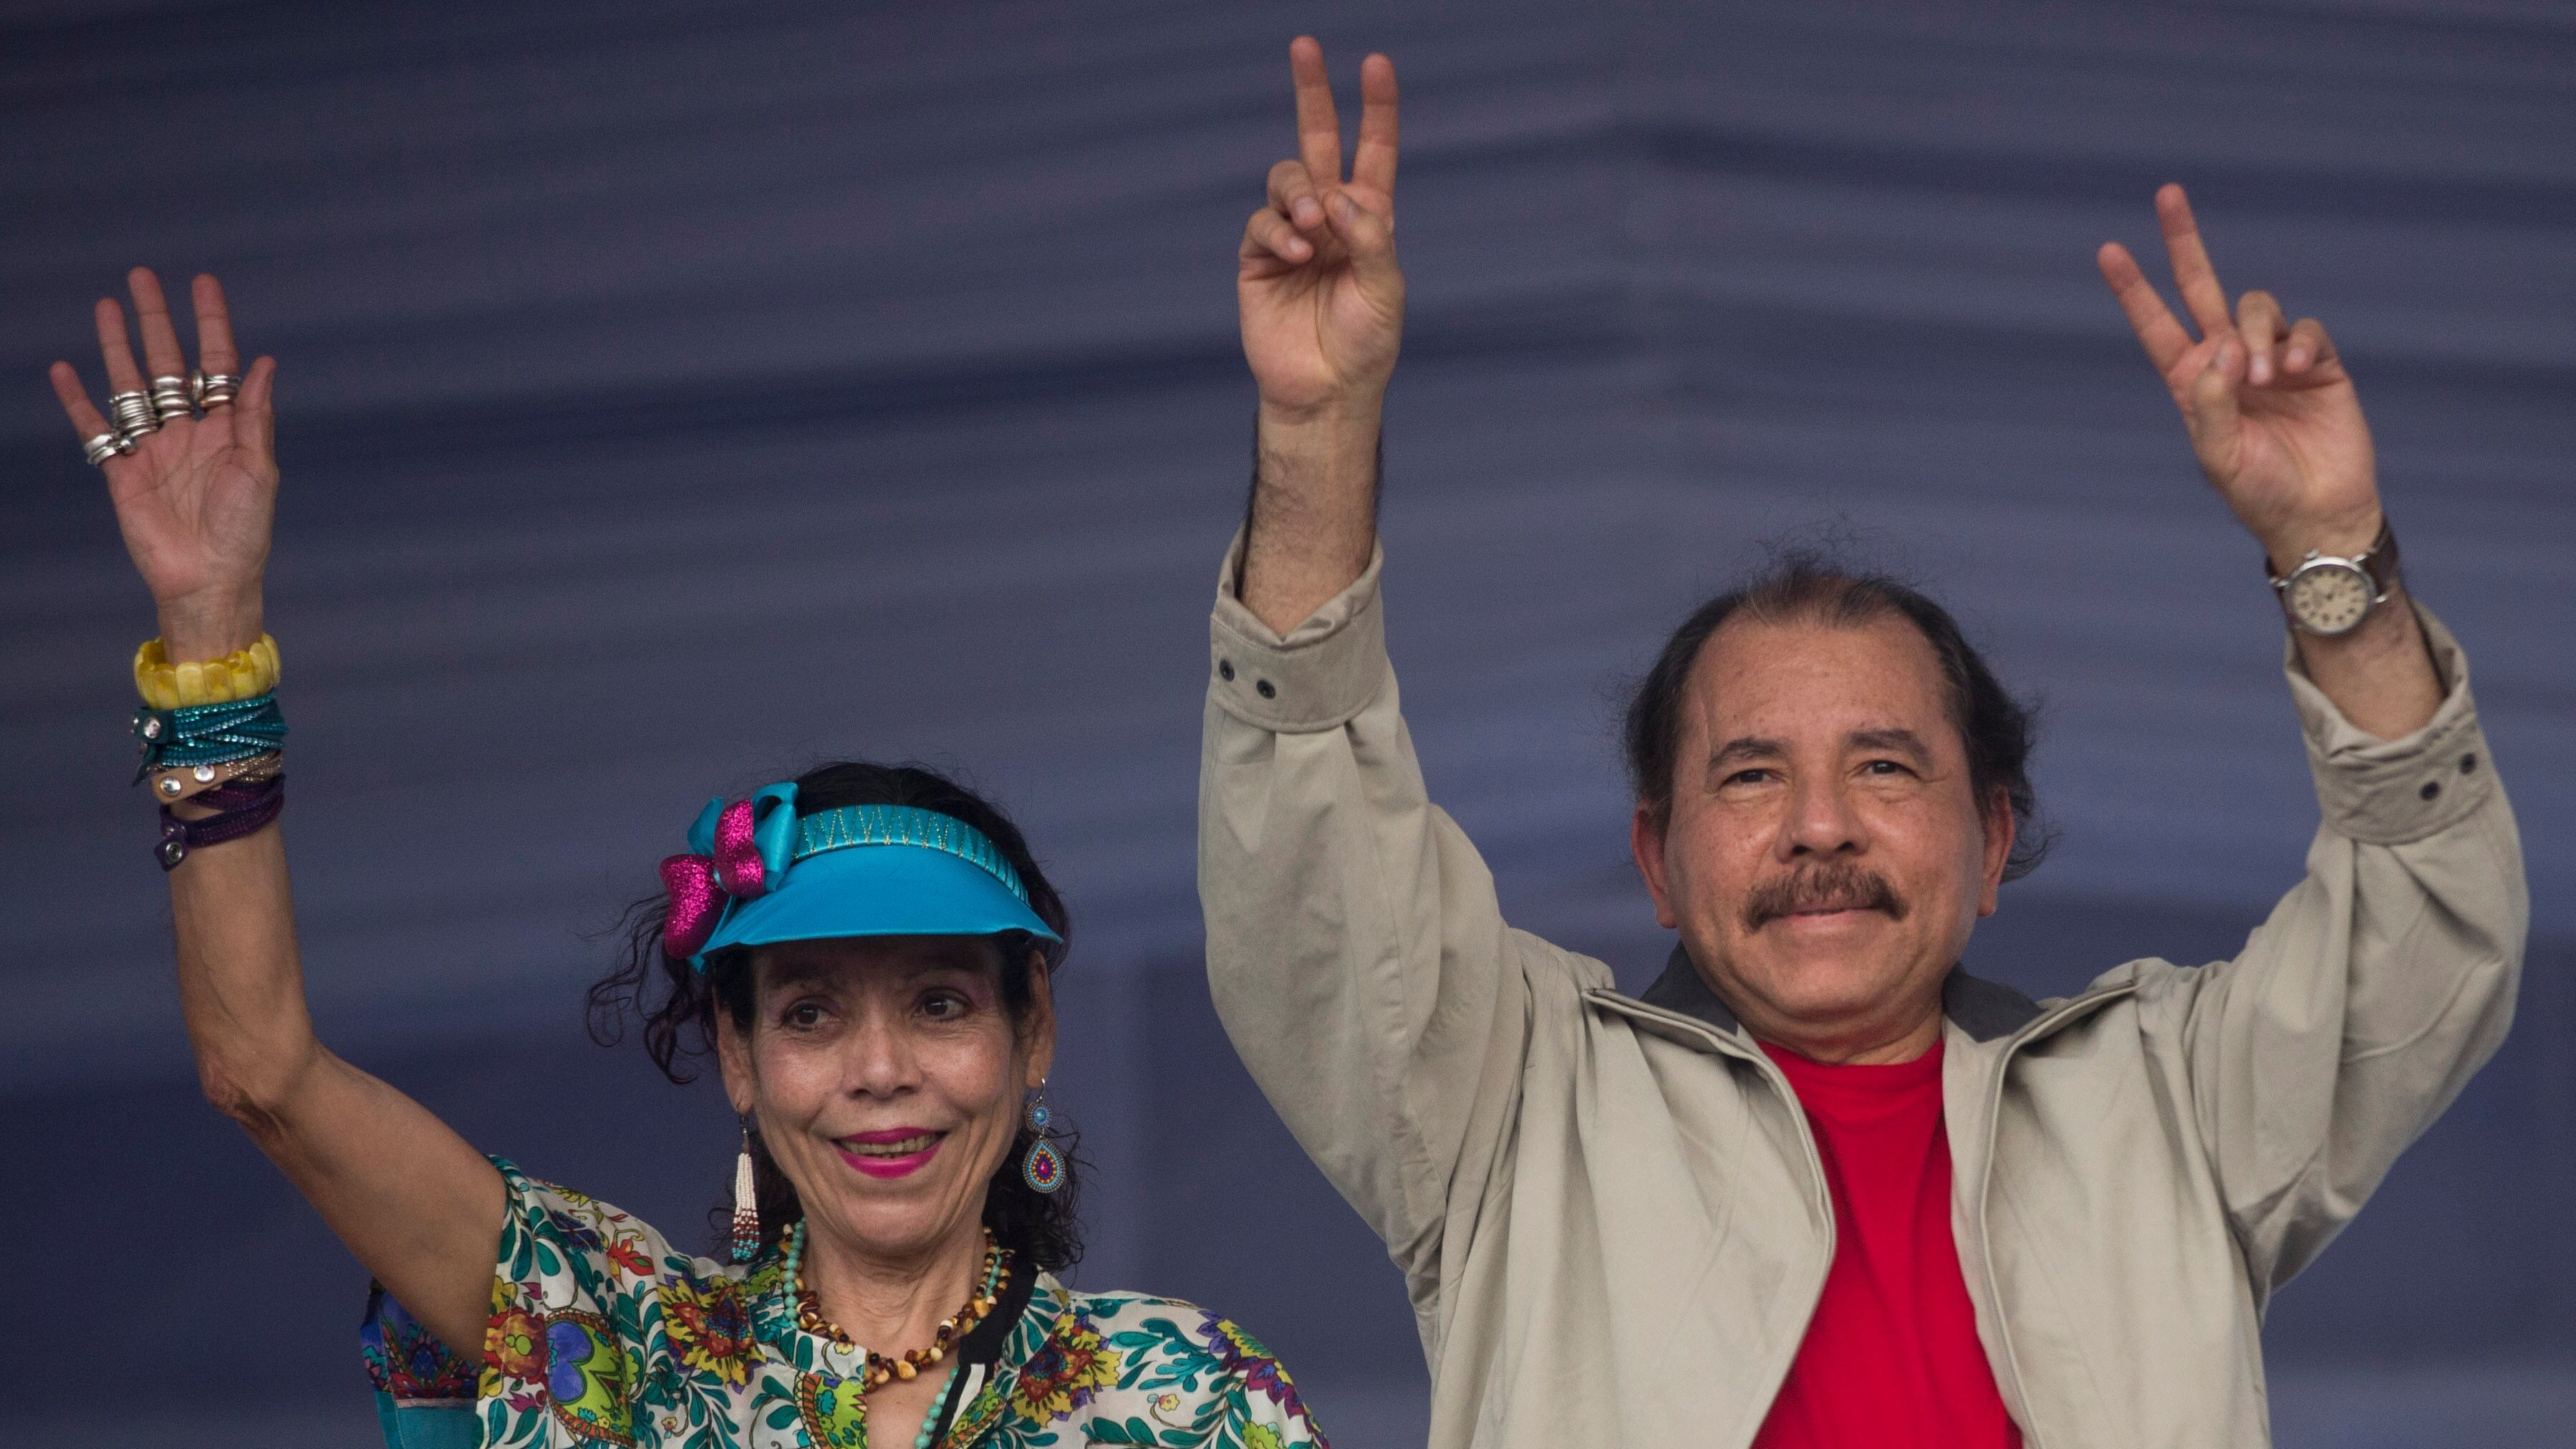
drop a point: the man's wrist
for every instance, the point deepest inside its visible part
(2344, 535)
(1313, 521)
(1325, 456)
(1339, 419)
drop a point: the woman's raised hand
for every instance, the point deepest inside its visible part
(1321, 296)
(416, 1204)
(2271, 412)
(195, 497)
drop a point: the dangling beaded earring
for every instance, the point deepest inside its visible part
(746, 1203)
(1044, 1170)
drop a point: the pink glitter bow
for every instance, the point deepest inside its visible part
(743, 859)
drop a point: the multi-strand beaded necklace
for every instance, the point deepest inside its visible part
(952, 1330)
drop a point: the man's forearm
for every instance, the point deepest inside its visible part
(1313, 522)
(2381, 674)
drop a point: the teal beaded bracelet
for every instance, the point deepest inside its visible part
(208, 734)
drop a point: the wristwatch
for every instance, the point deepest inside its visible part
(2329, 595)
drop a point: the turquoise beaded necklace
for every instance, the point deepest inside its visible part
(930, 1416)
(880, 1368)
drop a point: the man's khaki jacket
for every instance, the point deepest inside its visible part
(1608, 1209)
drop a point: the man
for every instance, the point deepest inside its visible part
(1818, 1186)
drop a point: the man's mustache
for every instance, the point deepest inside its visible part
(1838, 887)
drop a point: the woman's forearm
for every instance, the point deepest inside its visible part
(414, 1201)
(241, 986)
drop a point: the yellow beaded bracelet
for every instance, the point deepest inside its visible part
(242, 674)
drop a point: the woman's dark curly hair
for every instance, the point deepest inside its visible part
(678, 1006)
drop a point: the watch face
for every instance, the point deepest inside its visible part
(2329, 598)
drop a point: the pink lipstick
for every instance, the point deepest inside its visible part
(891, 1152)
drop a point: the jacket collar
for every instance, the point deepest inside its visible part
(1984, 1009)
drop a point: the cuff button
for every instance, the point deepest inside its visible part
(1268, 691)
(1225, 670)
(2468, 763)
(2431, 789)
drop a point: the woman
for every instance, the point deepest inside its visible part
(867, 952)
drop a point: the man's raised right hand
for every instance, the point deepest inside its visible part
(1323, 314)
(1321, 296)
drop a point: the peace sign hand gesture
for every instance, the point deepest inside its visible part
(1321, 296)
(2272, 414)
(194, 498)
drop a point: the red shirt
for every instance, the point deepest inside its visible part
(1891, 1359)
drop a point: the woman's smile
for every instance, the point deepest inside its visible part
(891, 1152)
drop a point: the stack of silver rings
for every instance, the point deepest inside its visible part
(170, 399)
(211, 390)
(135, 414)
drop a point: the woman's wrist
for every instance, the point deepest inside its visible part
(196, 630)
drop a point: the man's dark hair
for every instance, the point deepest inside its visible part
(677, 1005)
(1802, 586)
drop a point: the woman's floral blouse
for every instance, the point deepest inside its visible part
(602, 1334)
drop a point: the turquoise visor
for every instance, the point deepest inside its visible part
(870, 870)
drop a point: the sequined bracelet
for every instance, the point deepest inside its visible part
(208, 734)
(242, 808)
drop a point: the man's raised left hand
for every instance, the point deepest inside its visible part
(2272, 413)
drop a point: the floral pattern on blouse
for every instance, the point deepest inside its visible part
(602, 1334)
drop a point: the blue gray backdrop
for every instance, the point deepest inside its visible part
(674, 395)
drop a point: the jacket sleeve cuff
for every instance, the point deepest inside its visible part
(1315, 677)
(2389, 792)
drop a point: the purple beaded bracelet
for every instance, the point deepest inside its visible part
(242, 807)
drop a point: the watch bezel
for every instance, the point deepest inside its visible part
(2376, 564)
(2315, 563)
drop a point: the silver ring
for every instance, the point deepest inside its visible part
(105, 446)
(212, 389)
(170, 398)
(134, 414)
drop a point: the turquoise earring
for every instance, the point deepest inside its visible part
(1043, 1170)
